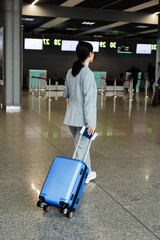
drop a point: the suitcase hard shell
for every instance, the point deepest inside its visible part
(65, 181)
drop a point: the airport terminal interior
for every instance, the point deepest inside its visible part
(123, 201)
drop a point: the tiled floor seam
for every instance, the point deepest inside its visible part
(127, 210)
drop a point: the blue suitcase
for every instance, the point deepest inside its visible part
(65, 181)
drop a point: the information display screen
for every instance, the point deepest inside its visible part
(124, 49)
(33, 44)
(70, 45)
(95, 45)
(142, 48)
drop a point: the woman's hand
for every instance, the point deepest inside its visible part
(91, 130)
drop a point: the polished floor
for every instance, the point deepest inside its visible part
(123, 203)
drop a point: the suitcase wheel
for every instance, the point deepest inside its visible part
(46, 208)
(70, 214)
(65, 210)
(40, 204)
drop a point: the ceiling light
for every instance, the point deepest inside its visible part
(71, 29)
(34, 2)
(156, 13)
(88, 23)
(142, 26)
(97, 36)
(28, 19)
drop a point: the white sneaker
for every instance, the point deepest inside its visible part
(91, 176)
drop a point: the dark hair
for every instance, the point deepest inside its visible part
(82, 51)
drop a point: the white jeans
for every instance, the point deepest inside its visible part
(82, 146)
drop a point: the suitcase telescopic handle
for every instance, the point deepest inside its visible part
(90, 137)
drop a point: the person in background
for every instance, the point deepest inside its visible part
(151, 75)
(134, 74)
(80, 88)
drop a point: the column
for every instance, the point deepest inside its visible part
(1, 53)
(13, 54)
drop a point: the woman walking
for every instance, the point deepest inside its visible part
(81, 89)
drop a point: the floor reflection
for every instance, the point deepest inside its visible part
(138, 100)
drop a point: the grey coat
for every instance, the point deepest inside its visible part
(82, 93)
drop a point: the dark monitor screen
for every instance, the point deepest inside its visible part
(124, 49)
